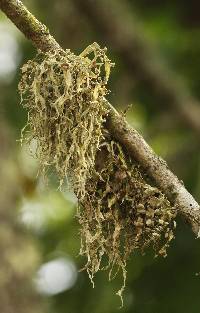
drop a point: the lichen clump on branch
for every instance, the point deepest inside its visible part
(119, 210)
(64, 95)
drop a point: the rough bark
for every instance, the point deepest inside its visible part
(34, 30)
(155, 167)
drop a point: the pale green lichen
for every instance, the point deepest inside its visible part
(119, 211)
(64, 95)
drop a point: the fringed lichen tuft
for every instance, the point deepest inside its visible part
(121, 212)
(64, 95)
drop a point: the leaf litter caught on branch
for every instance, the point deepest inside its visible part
(118, 210)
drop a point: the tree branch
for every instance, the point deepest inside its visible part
(128, 137)
(155, 167)
(29, 25)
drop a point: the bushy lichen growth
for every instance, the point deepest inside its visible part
(118, 210)
(64, 95)
(121, 212)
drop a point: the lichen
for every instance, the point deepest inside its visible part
(120, 213)
(64, 95)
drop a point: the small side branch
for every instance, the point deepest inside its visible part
(129, 138)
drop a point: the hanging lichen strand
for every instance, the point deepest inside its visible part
(121, 212)
(118, 210)
(64, 95)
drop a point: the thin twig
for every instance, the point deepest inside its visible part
(130, 139)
